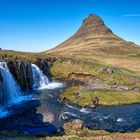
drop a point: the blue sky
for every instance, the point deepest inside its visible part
(38, 25)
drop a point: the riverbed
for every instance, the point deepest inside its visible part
(32, 114)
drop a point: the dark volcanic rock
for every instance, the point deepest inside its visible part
(45, 64)
(22, 73)
(1, 78)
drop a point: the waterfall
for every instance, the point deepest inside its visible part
(9, 90)
(40, 81)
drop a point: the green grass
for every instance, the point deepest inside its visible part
(106, 97)
(80, 134)
(63, 67)
(15, 55)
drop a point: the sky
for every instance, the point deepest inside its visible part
(39, 25)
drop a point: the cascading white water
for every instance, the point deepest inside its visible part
(9, 90)
(40, 81)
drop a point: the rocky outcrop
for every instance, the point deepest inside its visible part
(91, 81)
(94, 82)
(74, 125)
(94, 102)
(107, 69)
(121, 88)
(92, 23)
(1, 78)
(83, 77)
(45, 64)
(22, 73)
(48, 116)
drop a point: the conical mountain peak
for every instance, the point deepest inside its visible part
(95, 37)
(93, 24)
(93, 20)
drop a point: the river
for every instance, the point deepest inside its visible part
(25, 116)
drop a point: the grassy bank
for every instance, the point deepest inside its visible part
(84, 134)
(63, 67)
(98, 135)
(83, 97)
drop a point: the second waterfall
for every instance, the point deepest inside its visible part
(40, 81)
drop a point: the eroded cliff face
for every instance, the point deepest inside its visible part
(45, 65)
(22, 71)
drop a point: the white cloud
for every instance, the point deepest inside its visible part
(132, 15)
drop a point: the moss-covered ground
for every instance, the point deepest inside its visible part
(106, 97)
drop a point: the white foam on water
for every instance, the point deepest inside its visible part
(53, 85)
(107, 117)
(40, 80)
(84, 110)
(9, 88)
(120, 120)
(72, 107)
(69, 113)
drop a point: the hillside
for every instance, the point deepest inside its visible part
(108, 65)
(94, 37)
(95, 42)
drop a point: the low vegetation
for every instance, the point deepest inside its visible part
(83, 97)
(63, 67)
(15, 55)
(97, 135)
(81, 134)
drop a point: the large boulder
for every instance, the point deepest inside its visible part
(122, 87)
(94, 101)
(74, 125)
(47, 115)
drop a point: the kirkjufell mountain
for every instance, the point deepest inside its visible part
(94, 37)
(59, 89)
